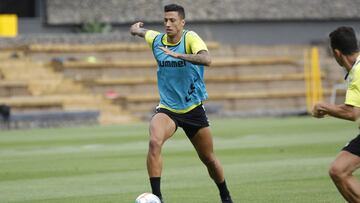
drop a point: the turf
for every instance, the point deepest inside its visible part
(265, 160)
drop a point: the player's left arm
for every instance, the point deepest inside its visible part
(197, 48)
(343, 111)
(200, 58)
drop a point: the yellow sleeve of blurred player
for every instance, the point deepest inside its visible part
(353, 92)
(150, 36)
(194, 43)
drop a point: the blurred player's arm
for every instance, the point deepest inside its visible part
(201, 58)
(196, 49)
(342, 111)
(137, 29)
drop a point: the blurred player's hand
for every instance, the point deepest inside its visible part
(169, 52)
(318, 111)
(134, 29)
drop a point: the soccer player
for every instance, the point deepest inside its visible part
(345, 49)
(181, 56)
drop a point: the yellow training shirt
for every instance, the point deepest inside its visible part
(353, 91)
(194, 43)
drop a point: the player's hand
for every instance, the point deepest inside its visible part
(134, 29)
(318, 111)
(169, 52)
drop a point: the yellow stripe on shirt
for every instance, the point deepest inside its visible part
(194, 43)
(181, 110)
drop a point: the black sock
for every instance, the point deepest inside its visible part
(155, 186)
(224, 192)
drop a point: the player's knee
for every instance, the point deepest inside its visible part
(337, 172)
(155, 144)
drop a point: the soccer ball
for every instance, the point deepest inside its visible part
(147, 198)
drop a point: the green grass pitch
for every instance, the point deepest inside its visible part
(270, 160)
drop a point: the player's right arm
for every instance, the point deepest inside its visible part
(137, 29)
(343, 111)
(149, 35)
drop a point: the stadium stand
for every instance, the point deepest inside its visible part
(119, 82)
(114, 74)
(241, 79)
(32, 90)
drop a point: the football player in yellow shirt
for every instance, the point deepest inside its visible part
(346, 52)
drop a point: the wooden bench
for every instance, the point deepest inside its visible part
(222, 95)
(24, 103)
(8, 54)
(151, 63)
(125, 81)
(232, 101)
(12, 83)
(226, 62)
(13, 88)
(106, 47)
(208, 79)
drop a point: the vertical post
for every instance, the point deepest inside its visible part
(314, 82)
(312, 74)
(318, 73)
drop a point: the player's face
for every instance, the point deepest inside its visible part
(338, 58)
(173, 23)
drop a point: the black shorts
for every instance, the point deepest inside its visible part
(191, 122)
(353, 146)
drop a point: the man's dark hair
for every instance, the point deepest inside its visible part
(344, 39)
(177, 8)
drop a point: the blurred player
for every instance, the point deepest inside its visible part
(346, 52)
(181, 56)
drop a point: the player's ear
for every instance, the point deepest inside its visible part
(183, 22)
(337, 52)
